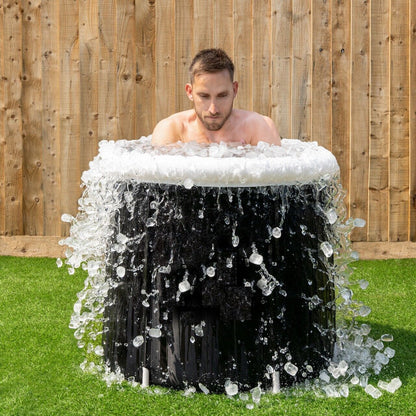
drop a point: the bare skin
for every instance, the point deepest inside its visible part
(213, 119)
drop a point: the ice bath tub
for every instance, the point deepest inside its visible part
(218, 261)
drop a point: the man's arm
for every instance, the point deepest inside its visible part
(165, 132)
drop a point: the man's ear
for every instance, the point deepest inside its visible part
(235, 88)
(188, 89)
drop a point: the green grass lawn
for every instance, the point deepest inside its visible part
(39, 359)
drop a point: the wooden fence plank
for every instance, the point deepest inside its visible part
(202, 25)
(13, 156)
(281, 66)
(321, 74)
(107, 93)
(378, 197)
(88, 51)
(2, 123)
(301, 78)
(32, 118)
(126, 70)
(261, 57)
(69, 108)
(341, 85)
(399, 122)
(243, 53)
(412, 126)
(360, 94)
(223, 26)
(183, 50)
(145, 79)
(50, 117)
(165, 62)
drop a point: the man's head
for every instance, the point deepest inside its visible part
(212, 89)
(211, 61)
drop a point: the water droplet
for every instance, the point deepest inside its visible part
(276, 232)
(121, 271)
(192, 339)
(235, 240)
(211, 271)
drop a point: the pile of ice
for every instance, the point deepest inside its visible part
(209, 165)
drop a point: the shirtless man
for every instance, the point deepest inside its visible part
(212, 120)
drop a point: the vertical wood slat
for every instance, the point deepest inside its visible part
(301, 78)
(412, 127)
(183, 47)
(88, 50)
(107, 93)
(126, 70)
(50, 117)
(399, 122)
(69, 126)
(32, 118)
(13, 155)
(281, 66)
(378, 197)
(360, 94)
(261, 56)
(2, 129)
(202, 25)
(223, 26)
(243, 53)
(341, 85)
(145, 81)
(165, 62)
(321, 74)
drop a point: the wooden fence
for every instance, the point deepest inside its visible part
(74, 72)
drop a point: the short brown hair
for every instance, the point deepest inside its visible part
(211, 61)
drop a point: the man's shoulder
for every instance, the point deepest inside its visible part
(170, 129)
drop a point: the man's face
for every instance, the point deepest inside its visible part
(213, 95)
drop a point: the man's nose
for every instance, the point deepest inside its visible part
(212, 108)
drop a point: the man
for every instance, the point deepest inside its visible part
(212, 120)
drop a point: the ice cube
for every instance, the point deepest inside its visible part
(327, 249)
(256, 394)
(59, 262)
(290, 368)
(66, 218)
(359, 222)
(188, 183)
(386, 337)
(155, 332)
(203, 388)
(390, 352)
(372, 391)
(137, 341)
(363, 284)
(332, 215)
(231, 388)
(184, 286)
(256, 258)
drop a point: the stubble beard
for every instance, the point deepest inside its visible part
(214, 125)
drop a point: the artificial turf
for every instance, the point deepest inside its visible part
(39, 358)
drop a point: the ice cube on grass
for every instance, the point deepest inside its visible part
(373, 391)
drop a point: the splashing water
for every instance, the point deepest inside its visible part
(237, 239)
